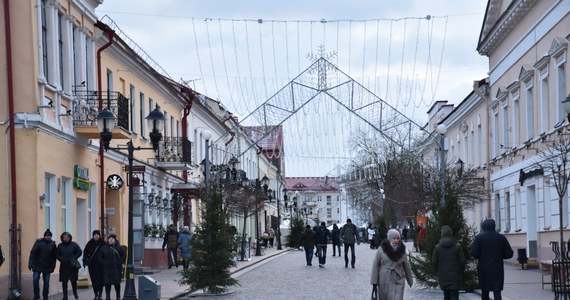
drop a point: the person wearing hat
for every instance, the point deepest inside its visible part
(91, 260)
(42, 262)
(112, 257)
(185, 244)
(171, 243)
(449, 263)
(490, 248)
(308, 242)
(391, 268)
(68, 253)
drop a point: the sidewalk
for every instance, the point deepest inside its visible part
(168, 278)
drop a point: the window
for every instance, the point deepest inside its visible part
(329, 200)
(506, 128)
(507, 212)
(45, 40)
(516, 118)
(132, 96)
(561, 89)
(518, 209)
(47, 201)
(61, 48)
(479, 143)
(142, 114)
(529, 112)
(498, 212)
(65, 205)
(165, 125)
(544, 117)
(109, 84)
(329, 213)
(495, 132)
(319, 198)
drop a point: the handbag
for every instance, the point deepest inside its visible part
(374, 295)
(75, 264)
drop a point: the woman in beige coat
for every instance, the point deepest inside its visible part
(391, 268)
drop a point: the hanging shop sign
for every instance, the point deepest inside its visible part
(81, 177)
(114, 182)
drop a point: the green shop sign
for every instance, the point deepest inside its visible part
(81, 177)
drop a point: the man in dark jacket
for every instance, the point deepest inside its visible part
(42, 261)
(449, 263)
(112, 258)
(322, 239)
(91, 260)
(171, 243)
(308, 242)
(490, 248)
(349, 236)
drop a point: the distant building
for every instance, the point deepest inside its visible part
(315, 198)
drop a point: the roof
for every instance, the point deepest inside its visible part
(323, 184)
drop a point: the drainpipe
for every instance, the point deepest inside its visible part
(190, 94)
(15, 272)
(111, 34)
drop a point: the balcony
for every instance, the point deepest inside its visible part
(175, 154)
(85, 112)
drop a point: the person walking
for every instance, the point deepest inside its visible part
(449, 263)
(349, 236)
(322, 239)
(91, 261)
(68, 253)
(391, 268)
(171, 243)
(185, 244)
(42, 262)
(335, 239)
(371, 239)
(308, 241)
(271, 236)
(112, 257)
(490, 248)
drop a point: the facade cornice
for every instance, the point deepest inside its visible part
(506, 23)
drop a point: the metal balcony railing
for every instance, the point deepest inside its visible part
(86, 108)
(174, 149)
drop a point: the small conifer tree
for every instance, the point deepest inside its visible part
(211, 255)
(293, 240)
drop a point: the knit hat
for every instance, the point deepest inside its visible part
(393, 233)
(308, 226)
(96, 232)
(186, 229)
(445, 231)
(48, 233)
(112, 236)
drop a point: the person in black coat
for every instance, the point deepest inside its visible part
(322, 238)
(336, 239)
(42, 262)
(91, 260)
(67, 253)
(171, 243)
(449, 263)
(490, 248)
(308, 242)
(112, 257)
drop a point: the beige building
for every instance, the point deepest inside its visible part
(502, 126)
(316, 199)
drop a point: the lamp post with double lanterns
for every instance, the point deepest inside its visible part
(106, 122)
(259, 184)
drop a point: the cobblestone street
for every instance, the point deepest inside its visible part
(287, 277)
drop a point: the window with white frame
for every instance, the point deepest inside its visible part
(49, 206)
(495, 132)
(45, 30)
(561, 86)
(91, 207)
(329, 213)
(142, 106)
(109, 83)
(473, 160)
(479, 144)
(529, 111)
(516, 118)
(506, 125)
(329, 200)
(166, 125)
(66, 205)
(61, 47)
(507, 212)
(498, 215)
(518, 209)
(132, 100)
(544, 112)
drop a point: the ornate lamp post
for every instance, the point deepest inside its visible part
(263, 183)
(106, 122)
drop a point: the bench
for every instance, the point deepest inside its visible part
(546, 272)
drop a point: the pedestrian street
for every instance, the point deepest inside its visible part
(287, 276)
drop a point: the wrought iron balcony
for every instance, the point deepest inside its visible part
(86, 109)
(175, 154)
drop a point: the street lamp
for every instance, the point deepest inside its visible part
(279, 220)
(441, 129)
(106, 122)
(263, 183)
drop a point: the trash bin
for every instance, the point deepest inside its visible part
(148, 288)
(522, 258)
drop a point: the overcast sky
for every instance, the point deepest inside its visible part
(243, 52)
